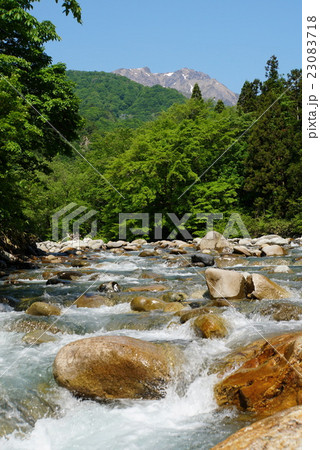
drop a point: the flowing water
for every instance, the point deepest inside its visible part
(37, 414)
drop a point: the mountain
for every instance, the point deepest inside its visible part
(108, 100)
(183, 80)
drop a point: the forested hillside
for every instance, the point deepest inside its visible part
(109, 101)
(197, 157)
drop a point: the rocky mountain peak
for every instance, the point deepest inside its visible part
(183, 80)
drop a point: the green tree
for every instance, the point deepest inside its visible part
(219, 107)
(30, 83)
(196, 92)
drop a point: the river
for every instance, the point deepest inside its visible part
(38, 414)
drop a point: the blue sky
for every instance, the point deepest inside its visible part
(230, 40)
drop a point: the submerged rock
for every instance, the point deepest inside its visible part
(280, 431)
(281, 311)
(269, 381)
(94, 301)
(210, 326)
(38, 337)
(112, 367)
(174, 297)
(110, 286)
(151, 288)
(43, 309)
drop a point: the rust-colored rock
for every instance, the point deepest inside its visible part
(210, 326)
(43, 309)
(111, 367)
(280, 431)
(268, 382)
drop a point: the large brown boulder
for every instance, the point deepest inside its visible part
(265, 288)
(210, 326)
(233, 285)
(268, 382)
(228, 284)
(111, 367)
(280, 431)
(43, 309)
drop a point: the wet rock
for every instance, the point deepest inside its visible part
(38, 337)
(200, 294)
(29, 325)
(268, 382)
(69, 275)
(280, 431)
(206, 260)
(154, 276)
(147, 253)
(56, 280)
(281, 311)
(150, 304)
(210, 326)
(149, 288)
(78, 263)
(267, 289)
(111, 367)
(223, 262)
(185, 316)
(174, 297)
(225, 284)
(131, 248)
(110, 286)
(273, 250)
(215, 241)
(43, 309)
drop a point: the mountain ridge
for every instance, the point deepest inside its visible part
(183, 80)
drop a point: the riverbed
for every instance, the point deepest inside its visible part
(38, 414)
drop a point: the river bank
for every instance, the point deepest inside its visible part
(78, 279)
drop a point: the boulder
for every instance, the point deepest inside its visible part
(8, 300)
(206, 260)
(113, 367)
(280, 431)
(56, 280)
(273, 250)
(150, 304)
(139, 242)
(178, 251)
(268, 382)
(79, 263)
(43, 309)
(265, 288)
(210, 326)
(228, 284)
